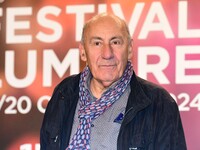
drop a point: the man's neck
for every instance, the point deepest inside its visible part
(98, 88)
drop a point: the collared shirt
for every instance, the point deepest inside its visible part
(105, 128)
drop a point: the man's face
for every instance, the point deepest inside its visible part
(106, 50)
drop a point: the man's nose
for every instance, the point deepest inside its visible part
(107, 51)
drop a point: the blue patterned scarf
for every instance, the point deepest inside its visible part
(90, 110)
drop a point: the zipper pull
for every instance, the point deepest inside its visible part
(55, 139)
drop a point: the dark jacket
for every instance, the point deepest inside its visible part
(151, 122)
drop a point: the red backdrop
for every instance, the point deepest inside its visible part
(39, 47)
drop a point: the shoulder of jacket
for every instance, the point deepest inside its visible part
(70, 83)
(154, 91)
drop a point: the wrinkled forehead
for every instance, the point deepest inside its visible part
(103, 20)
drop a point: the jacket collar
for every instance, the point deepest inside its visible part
(137, 100)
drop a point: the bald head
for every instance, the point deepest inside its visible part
(103, 17)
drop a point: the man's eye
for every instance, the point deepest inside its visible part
(97, 43)
(116, 42)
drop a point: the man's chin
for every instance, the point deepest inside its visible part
(108, 82)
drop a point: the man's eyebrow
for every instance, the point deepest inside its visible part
(117, 37)
(95, 38)
(99, 38)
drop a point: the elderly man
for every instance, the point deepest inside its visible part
(106, 106)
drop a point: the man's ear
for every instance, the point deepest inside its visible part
(130, 50)
(82, 52)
